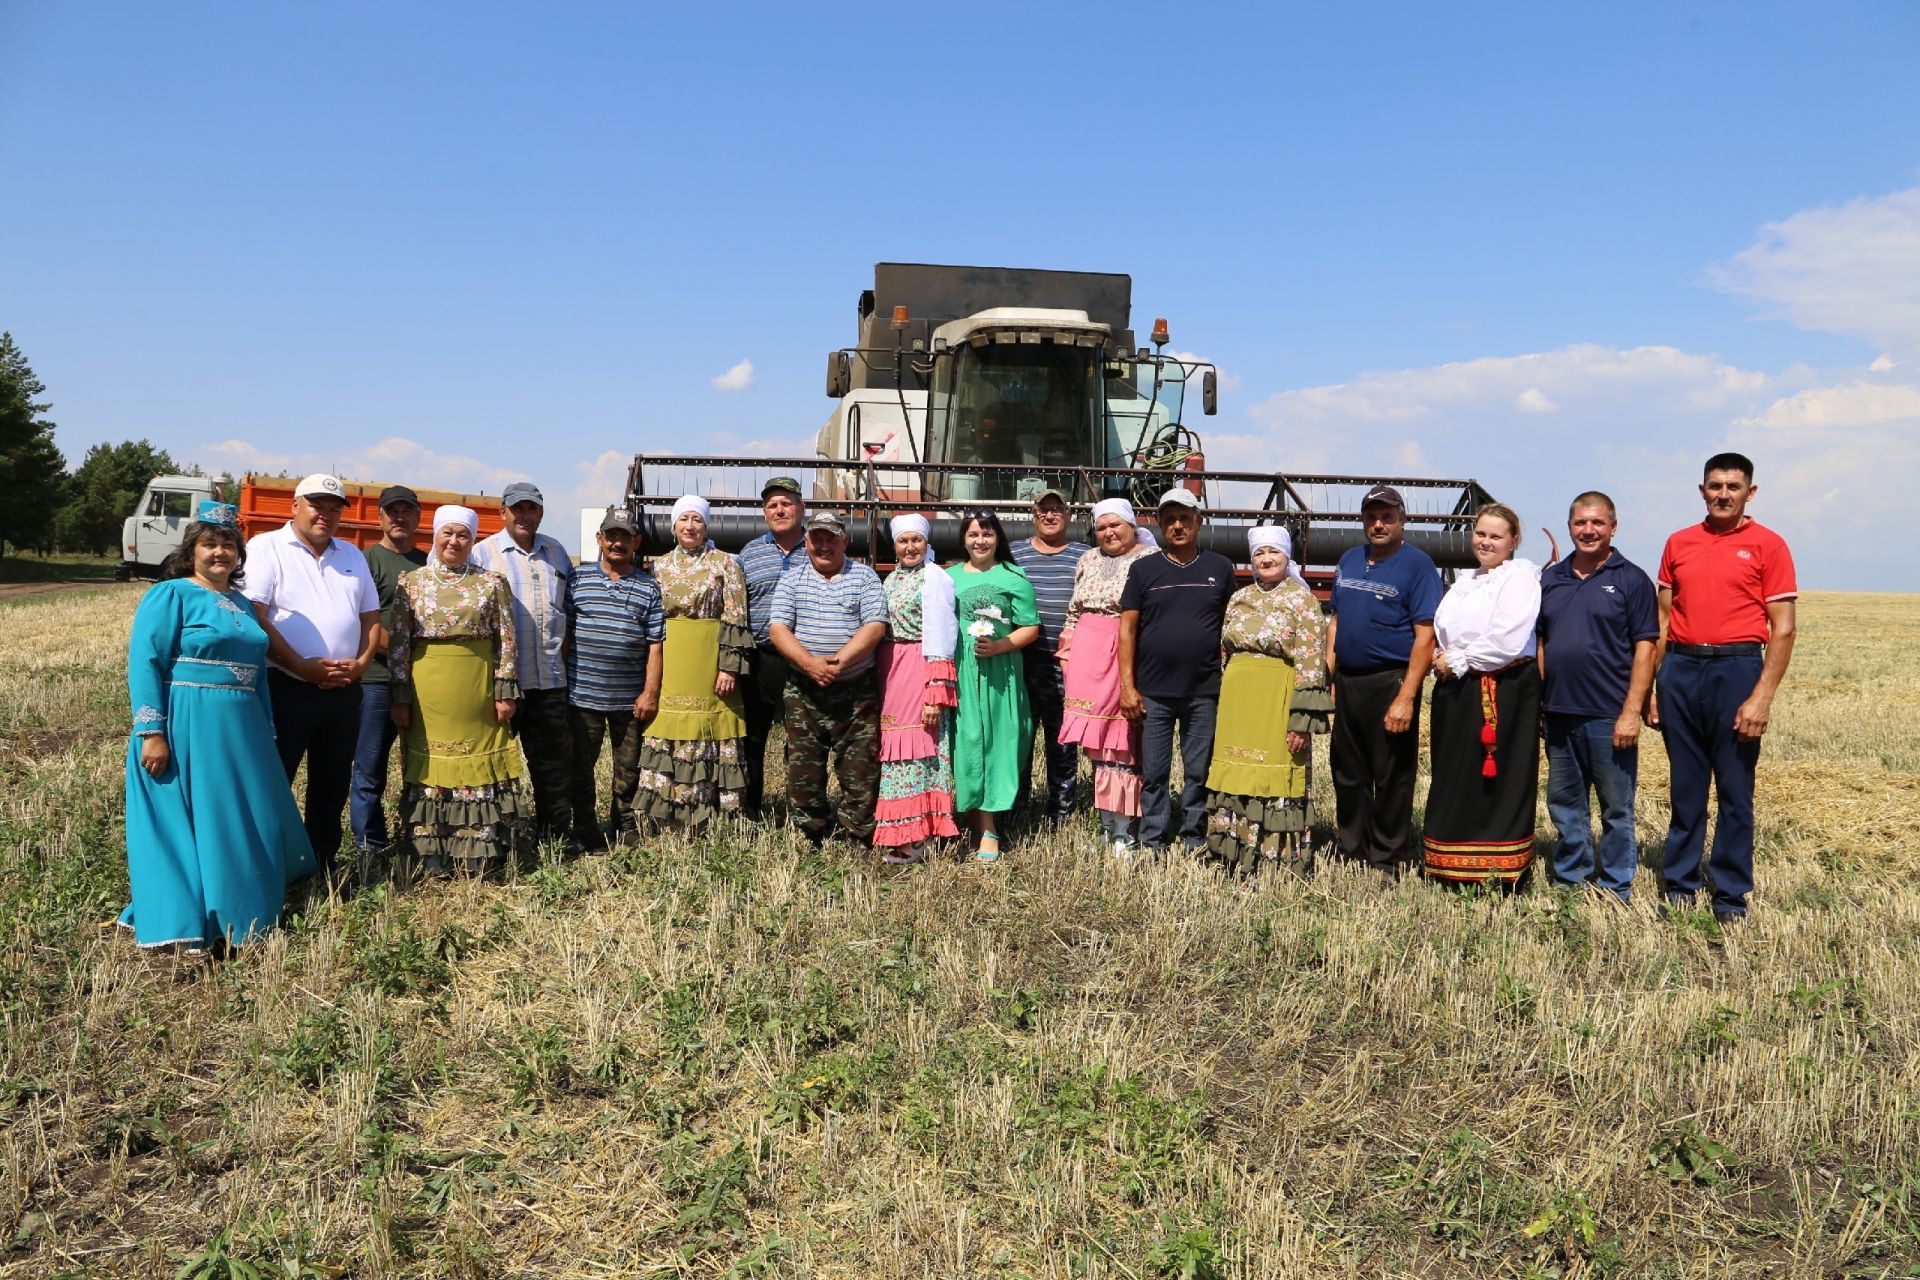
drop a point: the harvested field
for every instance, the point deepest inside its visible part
(738, 1058)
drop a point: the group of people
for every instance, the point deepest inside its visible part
(503, 671)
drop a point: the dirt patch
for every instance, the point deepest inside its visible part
(10, 591)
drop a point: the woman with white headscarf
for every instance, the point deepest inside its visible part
(1089, 647)
(452, 659)
(1273, 694)
(692, 764)
(916, 671)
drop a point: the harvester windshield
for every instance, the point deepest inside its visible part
(1049, 406)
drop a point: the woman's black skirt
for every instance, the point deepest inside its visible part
(1480, 806)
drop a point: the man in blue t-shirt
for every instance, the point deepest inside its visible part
(1171, 611)
(1379, 646)
(1600, 618)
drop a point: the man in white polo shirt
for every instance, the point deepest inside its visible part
(321, 608)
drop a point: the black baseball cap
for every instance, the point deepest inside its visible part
(1383, 493)
(397, 493)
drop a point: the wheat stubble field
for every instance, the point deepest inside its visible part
(734, 1058)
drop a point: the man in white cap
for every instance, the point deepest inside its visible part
(321, 607)
(1171, 612)
(539, 572)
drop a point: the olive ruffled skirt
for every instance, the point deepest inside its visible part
(1257, 790)
(692, 763)
(463, 804)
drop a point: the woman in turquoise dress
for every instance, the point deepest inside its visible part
(213, 835)
(998, 617)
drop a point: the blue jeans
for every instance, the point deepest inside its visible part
(1698, 699)
(366, 806)
(1581, 758)
(1194, 717)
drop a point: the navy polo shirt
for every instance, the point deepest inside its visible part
(1590, 626)
(1377, 605)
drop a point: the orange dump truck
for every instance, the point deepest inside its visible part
(154, 529)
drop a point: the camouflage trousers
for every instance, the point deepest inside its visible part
(840, 722)
(547, 740)
(622, 732)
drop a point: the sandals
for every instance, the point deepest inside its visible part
(989, 850)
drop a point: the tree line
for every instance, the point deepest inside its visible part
(46, 507)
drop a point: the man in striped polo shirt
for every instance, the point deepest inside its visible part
(1049, 560)
(826, 619)
(613, 674)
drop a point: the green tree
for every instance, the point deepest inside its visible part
(101, 494)
(32, 469)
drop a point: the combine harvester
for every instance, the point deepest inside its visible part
(977, 387)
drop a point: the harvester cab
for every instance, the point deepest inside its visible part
(977, 387)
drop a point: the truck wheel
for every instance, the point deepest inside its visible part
(123, 572)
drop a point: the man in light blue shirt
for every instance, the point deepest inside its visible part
(539, 572)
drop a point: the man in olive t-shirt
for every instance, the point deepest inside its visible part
(387, 559)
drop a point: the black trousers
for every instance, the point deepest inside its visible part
(1373, 770)
(546, 738)
(1047, 695)
(765, 698)
(321, 727)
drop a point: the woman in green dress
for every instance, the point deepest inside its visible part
(1273, 693)
(998, 617)
(452, 660)
(692, 766)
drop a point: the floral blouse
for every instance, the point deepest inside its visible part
(1098, 581)
(436, 602)
(903, 624)
(704, 585)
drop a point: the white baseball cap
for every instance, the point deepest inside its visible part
(321, 485)
(1179, 496)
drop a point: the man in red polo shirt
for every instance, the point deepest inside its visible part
(1726, 607)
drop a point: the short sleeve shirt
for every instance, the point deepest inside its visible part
(314, 602)
(1051, 574)
(1176, 649)
(763, 564)
(824, 613)
(615, 622)
(386, 565)
(1590, 626)
(1722, 583)
(1377, 606)
(538, 578)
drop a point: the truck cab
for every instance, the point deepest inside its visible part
(153, 531)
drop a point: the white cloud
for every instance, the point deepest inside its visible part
(737, 378)
(1533, 383)
(1852, 268)
(1848, 405)
(1882, 363)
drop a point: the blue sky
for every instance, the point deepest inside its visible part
(462, 243)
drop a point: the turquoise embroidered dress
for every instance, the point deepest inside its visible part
(213, 842)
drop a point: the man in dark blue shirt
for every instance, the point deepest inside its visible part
(1600, 618)
(1170, 615)
(1379, 646)
(764, 562)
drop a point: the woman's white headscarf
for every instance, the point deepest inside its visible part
(1115, 507)
(695, 503)
(1274, 535)
(911, 522)
(453, 514)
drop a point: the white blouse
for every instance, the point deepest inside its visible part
(1487, 619)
